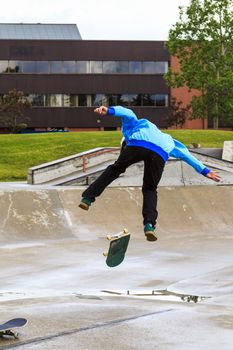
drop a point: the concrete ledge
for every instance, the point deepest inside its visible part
(70, 166)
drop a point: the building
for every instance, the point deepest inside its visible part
(65, 77)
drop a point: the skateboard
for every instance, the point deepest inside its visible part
(117, 248)
(6, 328)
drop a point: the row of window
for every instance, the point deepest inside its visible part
(85, 67)
(81, 100)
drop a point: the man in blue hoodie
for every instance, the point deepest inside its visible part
(144, 142)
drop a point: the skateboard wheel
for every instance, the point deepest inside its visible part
(125, 231)
(105, 253)
(109, 237)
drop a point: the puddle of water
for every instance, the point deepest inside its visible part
(159, 295)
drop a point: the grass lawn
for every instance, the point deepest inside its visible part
(20, 152)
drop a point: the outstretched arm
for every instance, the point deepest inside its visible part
(127, 115)
(181, 152)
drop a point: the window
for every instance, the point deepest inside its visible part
(85, 67)
(69, 67)
(148, 67)
(82, 67)
(96, 67)
(42, 67)
(70, 100)
(113, 67)
(109, 67)
(113, 100)
(53, 100)
(130, 100)
(147, 100)
(154, 67)
(158, 100)
(135, 67)
(3, 66)
(82, 100)
(37, 100)
(161, 100)
(29, 66)
(161, 67)
(124, 99)
(15, 67)
(99, 100)
(122, 67)
(56, 67)
(66, 100)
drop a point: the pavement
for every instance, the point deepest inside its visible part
(176, 293)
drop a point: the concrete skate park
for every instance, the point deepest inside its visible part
(176, 293)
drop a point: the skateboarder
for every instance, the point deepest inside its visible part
(144, 142)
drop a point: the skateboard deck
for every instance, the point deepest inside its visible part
(7, 327)
(117, 248)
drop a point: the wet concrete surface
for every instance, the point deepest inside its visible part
(54, 274)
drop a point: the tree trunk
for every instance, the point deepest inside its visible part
(215, 123)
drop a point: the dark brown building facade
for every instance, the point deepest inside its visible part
(66, 79)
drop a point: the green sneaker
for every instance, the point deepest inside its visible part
(85, 203)
(150, 234)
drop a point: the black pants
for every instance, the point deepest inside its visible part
(153, 169)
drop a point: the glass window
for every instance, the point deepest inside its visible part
(113, 100)
(3, 66)
(37, 100)
(15, 67)
(82, 67)
(73, 100)
(134, 99)
(147, 100)
(70, 100)
(135, 67)
(53, 100)
(130, 100)
(29, 66)
(42, 67)
(82, 100)
(124, 99)
(148, 67)
(109, 67)
(99, 100)
(66, 100)
(158, 100)
(56, 67)
(122, 67)
(112, 67)
(161, 67)
(161, 100)
(69, 67)
(96, 67)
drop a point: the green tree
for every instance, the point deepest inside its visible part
(202, 41)
(12, 107)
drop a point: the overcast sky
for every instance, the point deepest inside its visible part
(100, 19)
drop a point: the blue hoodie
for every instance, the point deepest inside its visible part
(143, 133)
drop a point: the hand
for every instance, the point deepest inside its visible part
(213, 176)
(101, 110)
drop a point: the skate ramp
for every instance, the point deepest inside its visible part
(195, 224)
(54, 274)
(53, 213)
